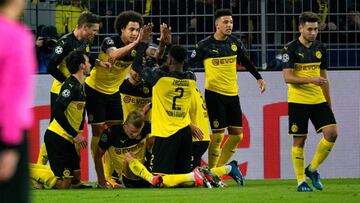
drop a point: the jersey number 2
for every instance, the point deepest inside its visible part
(181, 90)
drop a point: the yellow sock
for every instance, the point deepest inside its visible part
(94, 145)
(214, 149)
(298, 159)
(43, 174)
(322, 151)
(177, 179)
(140, 170)
(108, 166)
(221, 170)
(229, 148)
(43, 157)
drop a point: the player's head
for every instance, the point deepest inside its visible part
(223, 21)
(89, 24)
(16, 7)
(308, 25)
(134, 124)
(177, 55)
(76, 61)
(128, 24)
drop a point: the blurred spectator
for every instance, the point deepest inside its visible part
(67, 13)
(45, 42)
(352, 27)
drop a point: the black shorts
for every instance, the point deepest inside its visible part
(299, 114)
(224, 111)
(62, 154)
(139, 183)
(172, 154)
(102, 107)
(198, 150)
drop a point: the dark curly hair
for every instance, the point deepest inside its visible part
(125, 17)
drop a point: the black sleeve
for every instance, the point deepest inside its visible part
(53, 70)
(60, 51)
(324, 62)
(150, 74)
(92, 60)
(62, 101)
(137, 62)
(243, 58)
(197, 56)
(107, 43)
(287, 57)
(105, 139)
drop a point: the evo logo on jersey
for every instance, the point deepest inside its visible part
(217, 62)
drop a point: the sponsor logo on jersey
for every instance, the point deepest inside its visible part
(217, 62)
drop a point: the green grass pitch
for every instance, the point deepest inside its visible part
(269, 191)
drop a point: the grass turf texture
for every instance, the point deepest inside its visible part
(276, 191)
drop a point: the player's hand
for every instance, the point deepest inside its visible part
(146, 109)
(319, 81)
(262, 85)
(81, 141)
(8, 161)
(165, 34)
(146, 33)
(104, 64)
(196, 132)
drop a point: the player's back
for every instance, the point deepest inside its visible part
(171, 102)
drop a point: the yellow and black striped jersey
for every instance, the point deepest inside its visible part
(219, 59)
(135, 97)
(305, 62)
(199, 116)
(108, 81)
(69, 111)
(117, 144)
(172, 92)
(64, 46)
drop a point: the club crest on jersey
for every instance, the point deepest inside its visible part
(104, 138)
(285, 58)
(66, 93)
(146, 90)
(133, 53)
(294, 128)
(234, 47)
(216, 123)
(58, 50)
(66, 172)
(318, 54)
(193, 54)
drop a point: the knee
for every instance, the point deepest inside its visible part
(330, 134)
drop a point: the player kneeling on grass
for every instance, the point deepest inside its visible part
(65, 129)
(199, 177)
(131, 136)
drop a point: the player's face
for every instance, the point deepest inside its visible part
(130, 32)
(225, 25)
(309, 31)
(132, 131)
(91, 30)
(87, 66)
